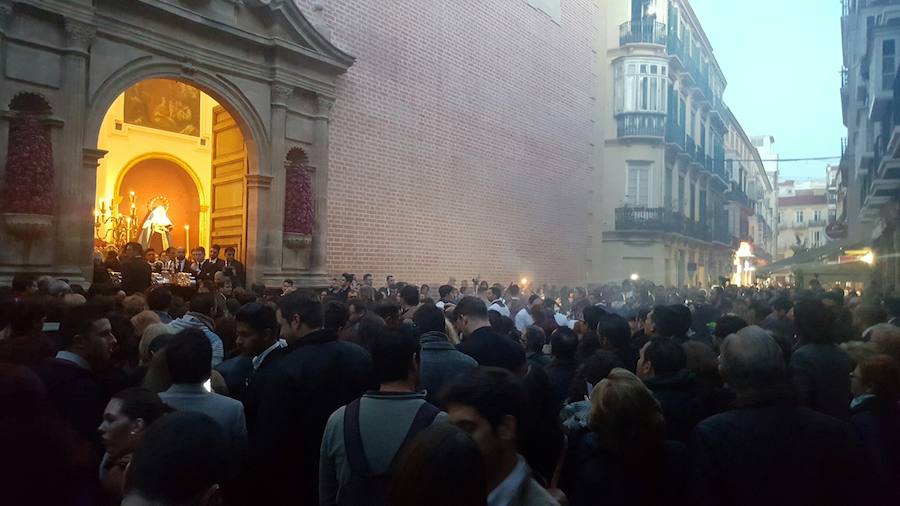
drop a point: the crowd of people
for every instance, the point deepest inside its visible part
(477, 394)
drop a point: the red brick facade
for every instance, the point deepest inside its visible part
(460, 140)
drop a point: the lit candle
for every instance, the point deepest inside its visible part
(96, 217)
(131, 196)
(187, 238)
(103, 207)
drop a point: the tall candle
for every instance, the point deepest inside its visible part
(187, 238)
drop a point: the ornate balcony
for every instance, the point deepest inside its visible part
(642, 32)
(658, 219)
(641, 125)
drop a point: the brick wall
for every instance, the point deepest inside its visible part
(460, 140)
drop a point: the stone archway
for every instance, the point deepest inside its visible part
(263, 61)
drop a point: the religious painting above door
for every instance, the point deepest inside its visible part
(165, 104)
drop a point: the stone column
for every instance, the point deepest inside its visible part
(76, 164)
(318, 264)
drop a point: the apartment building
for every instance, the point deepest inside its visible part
(870, 162)
(663, 202)
(802, 216)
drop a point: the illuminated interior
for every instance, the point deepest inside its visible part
(164, 141)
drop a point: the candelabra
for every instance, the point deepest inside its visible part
(114, 228)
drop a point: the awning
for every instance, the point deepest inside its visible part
(813, 257)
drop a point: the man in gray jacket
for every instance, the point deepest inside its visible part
(188, 360)
(441, 362)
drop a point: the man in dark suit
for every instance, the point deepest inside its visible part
(73, 386)
(481, 343)
(317, 374)
(135, 270)
(180, 263)
(234, 269)
(202, 267)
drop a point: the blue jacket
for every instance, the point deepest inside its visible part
(204, 324)
(441, 362)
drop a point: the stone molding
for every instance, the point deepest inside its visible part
(260, 181)
(281, 93)
(79, 36)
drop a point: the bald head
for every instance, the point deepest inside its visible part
(752, 360)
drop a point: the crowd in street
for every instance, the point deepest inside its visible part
(471, 394)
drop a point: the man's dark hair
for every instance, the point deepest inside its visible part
(392, 352)
(288, 281)
(666, 321)
(500, 324)
(180, 456)
(782, 304)
(366, 276)
(259, 317)
(812, 321)
(410, 295)
(564, 343)
(203, 303)
(387, 309)
(444, 290)
(189, 357)
(666, 355)
(535, 339)
(491, 391)
(838, 298)
(729, 324)
(215, 247)
(533, 297)
(199, 248)
(303, 304)
(892, 306)
(135, 247)
(335, 315)
(615, 330)
(591, 315)
(159, 299)
(497, 292)
(231, 249)
(471, 307)
(78, 322)
(684, 319)
(21, 281)
(429, 318)
(513, 290)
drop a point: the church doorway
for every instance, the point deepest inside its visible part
(173, 173)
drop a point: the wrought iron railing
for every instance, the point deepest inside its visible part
(674, 132)
(641, 124)
(642, 32)
(659, 219)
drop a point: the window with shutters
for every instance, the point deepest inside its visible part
(637, 194)
(641, 85)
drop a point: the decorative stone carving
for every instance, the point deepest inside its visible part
(324, 104)
(79, 35)
(281, 93)
(297, 241)
(27, 226)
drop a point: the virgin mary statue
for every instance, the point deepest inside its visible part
(157, 222)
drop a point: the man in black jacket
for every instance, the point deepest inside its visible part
(481, 343)
(769, 450)
(73, 386)
(317, 375)
(663, 368)
(136, 272)
(234, 269)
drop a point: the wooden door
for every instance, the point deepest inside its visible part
(228, 208)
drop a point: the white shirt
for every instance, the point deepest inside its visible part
(523, 319)
(506, 490)
(499, 307)
(258, 360)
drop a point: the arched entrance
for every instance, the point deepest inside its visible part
(171, 150)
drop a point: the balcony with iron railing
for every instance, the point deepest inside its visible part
(642, 32)
(641, 125)
(737, 195)
(674, 132)
(661, 220)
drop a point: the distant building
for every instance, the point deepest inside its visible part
(802, 216)
(665, 207)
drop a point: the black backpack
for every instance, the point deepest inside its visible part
(365, 487)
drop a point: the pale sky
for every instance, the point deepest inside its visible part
(782, 61)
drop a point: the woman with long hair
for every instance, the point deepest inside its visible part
(625, 458)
